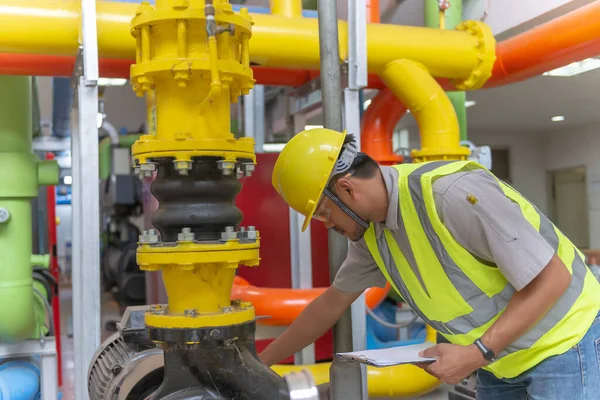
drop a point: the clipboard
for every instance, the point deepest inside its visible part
(391, 356)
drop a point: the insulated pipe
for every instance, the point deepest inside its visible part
(379, 122)
(19, 380)
(41, 27)
(412, 84)
(284, 305)
(20, 175)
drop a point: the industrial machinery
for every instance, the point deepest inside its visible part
(192, 57)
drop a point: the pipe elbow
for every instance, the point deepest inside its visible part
(17, 320)
(412, 83)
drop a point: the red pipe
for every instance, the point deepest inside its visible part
(284, 305)
(379, 119)
(54, 270)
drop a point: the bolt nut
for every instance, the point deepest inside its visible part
(159, 309)
(4, 215)
(227, 309)
(229, 229)
(226, 167)
(149, 237)
(183, 166)
(248, 169)
(116, 369)
(186, 235)
(252, 233)
(190, 313)
(215, 333)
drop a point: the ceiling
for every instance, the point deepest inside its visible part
(526, 106)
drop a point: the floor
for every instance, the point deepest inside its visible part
(110, 311)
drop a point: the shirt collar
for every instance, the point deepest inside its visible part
(390, 177)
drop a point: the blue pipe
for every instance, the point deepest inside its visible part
(381, 337)
(19, 380)
(62, 100)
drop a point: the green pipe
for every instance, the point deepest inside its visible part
(105, 152)
(21, 174)
(453, 17)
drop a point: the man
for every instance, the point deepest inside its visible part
(474, 258)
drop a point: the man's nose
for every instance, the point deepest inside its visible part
(329, 224)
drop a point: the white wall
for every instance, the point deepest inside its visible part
(527, 162)
(575, 148)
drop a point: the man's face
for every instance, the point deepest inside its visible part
(333, 217)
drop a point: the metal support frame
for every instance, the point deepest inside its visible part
(254, 116)
(45, 348)
(357, 79)
(348, 380)
(86, 203)
(301, 255)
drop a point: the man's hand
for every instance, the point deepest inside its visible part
(454, 363)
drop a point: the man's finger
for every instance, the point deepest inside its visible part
(431, 352)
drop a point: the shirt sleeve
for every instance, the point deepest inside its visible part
(492, 227)
(359, 271)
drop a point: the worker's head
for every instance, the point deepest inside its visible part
(321, 175)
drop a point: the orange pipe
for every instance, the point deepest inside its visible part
(519, 58)
(373, 12)
(284, 305)
(379, 119)
(573, 37)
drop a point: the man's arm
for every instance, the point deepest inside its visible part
(316, 319)
(523, 311)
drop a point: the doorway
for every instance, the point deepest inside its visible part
(569, 204)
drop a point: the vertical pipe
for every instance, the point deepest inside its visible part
(331, 89)
(54, 269)
(453, 17)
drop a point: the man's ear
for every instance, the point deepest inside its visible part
(344, 184)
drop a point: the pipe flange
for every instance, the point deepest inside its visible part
(301, 385)
(486, 55)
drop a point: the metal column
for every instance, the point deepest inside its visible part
(254, 116)
(301, 254)
(331, 90)
(86, 203)
(347, 380)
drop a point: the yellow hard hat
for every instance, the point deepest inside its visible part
(304, 167)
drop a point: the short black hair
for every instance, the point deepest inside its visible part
(363, 165)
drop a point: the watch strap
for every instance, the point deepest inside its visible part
(487, 353)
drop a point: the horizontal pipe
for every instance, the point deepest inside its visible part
(62, 66)
(41, 27)
(573, 37)
(284, 305)
(397, 381)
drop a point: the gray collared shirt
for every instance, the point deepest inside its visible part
(493, 230)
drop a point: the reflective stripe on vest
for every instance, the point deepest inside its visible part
(463, 302)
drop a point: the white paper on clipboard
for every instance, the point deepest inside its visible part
(391, 356)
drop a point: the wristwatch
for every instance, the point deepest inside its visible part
(487, 353)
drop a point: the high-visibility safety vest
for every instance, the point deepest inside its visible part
(460, 295)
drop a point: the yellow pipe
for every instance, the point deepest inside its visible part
(427, 101)
(52, 28)
(397, 381)
(287, 8)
